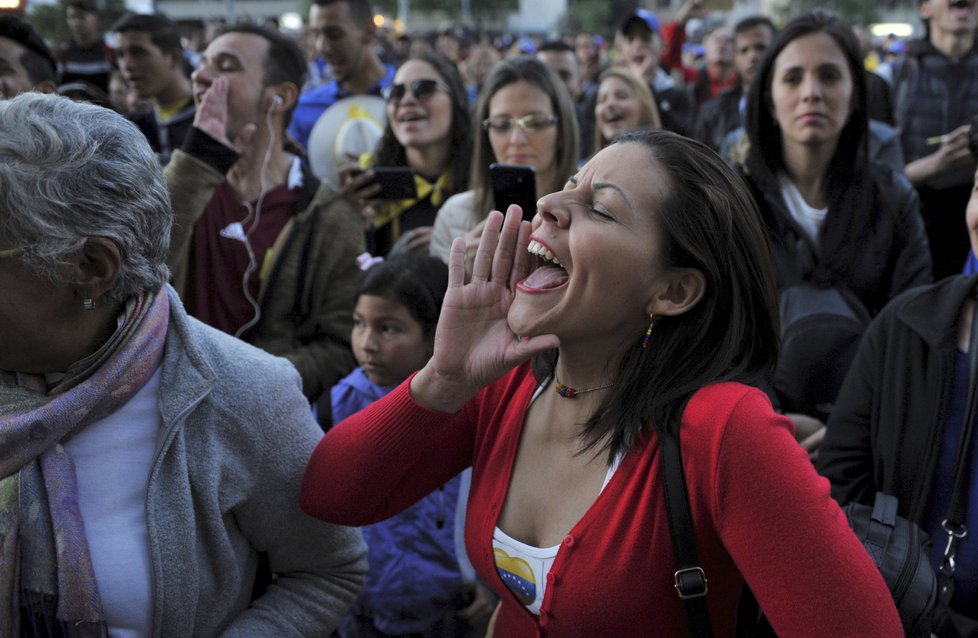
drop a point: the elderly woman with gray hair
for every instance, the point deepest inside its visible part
(147, 462)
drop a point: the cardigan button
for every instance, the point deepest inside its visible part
(569, 540)
(551, 578)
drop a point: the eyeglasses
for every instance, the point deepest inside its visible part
(529, 123)
(421, 89)
(11, 252)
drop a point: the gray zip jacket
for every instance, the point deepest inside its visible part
(224, 486)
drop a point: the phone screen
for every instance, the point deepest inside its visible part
(512, 184)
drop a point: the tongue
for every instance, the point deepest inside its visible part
(546, 277)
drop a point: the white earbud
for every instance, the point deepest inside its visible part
(278, 101)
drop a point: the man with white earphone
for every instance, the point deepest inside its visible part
(260, 249)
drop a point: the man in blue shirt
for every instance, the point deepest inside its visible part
(346, 37)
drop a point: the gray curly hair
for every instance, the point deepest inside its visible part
(70, 171)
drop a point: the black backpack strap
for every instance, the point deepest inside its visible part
(689, 578)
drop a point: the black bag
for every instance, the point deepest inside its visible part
(820, 332)
(901, 551)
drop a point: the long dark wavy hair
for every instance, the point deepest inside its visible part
(390, 152)
(710, 223)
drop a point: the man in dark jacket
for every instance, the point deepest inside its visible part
(150, 56)
(85, 57)
(935, 92)
(724, 113)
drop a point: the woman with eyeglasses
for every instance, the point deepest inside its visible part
(428, 130)
(526, 118)
(624, 104)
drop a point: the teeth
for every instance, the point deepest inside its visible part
(538, 249)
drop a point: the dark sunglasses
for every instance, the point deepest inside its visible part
(421, 89)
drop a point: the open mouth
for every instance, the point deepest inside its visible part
(412, 117)
(548, 273)
(613, 117)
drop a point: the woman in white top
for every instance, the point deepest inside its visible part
(525, 117)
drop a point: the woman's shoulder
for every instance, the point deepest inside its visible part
(714, 409)
(726, 397)
(240, 366)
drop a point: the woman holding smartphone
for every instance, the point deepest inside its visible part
(526, 118)
(428, 131)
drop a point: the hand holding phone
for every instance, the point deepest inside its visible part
(356, 183)
(514, 184)
(379, 182)
(396, 182)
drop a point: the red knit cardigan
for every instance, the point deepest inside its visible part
(759, 511)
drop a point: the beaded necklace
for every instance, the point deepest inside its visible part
(569, 393)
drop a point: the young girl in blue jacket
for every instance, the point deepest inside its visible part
(420, 582)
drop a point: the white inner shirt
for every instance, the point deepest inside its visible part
(808, 217)
(113, 457)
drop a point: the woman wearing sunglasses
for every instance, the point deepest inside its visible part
(527, 118)
(428, 130)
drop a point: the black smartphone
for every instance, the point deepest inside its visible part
(396, 182)
(513, 184)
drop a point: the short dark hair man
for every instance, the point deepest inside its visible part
(26, 62)
(150, 56)
(85, 57)
(260, 249)
(345, 35)
(718, 117)
(562, 59)
(935, 95)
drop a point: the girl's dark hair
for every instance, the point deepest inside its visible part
(390, 152)
(850, 190)
(416, 281)
(710, 223)
(762, 127)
